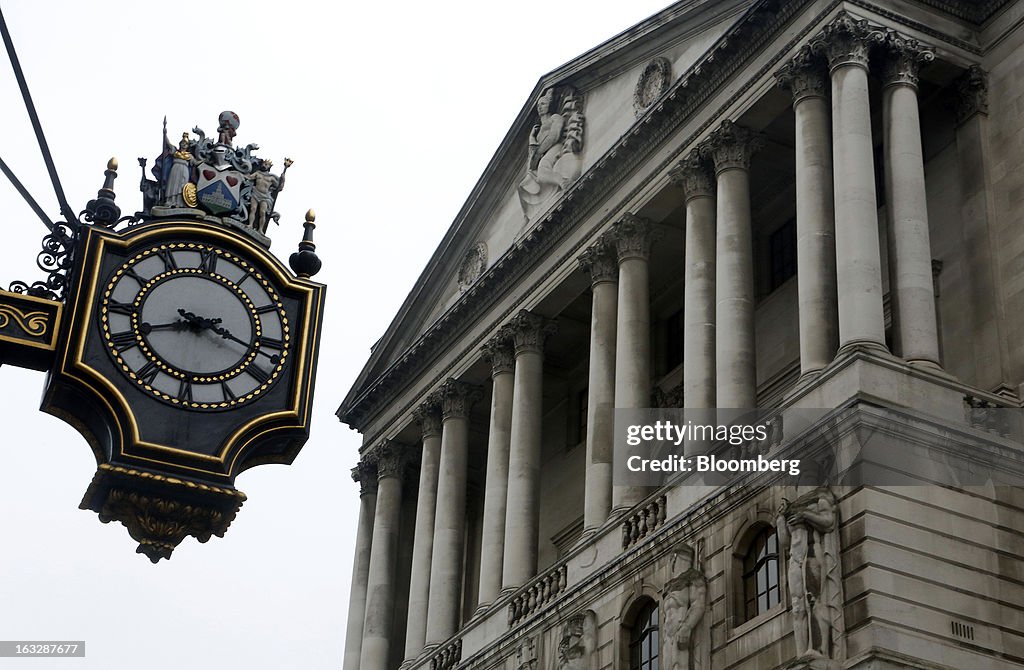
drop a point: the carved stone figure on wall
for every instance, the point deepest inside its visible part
(553, 161)
(578, 642)
(683, 603)
(808, 532)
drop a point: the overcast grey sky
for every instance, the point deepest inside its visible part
(390, 111)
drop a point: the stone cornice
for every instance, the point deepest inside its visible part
(689, 94)
(974, 12)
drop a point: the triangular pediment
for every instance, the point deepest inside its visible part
(600, 96)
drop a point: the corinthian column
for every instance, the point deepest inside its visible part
(498, 350)
(450, 522)
(366, 474)
(380, 602)
(632, 237)
(698, 185)
(846, 43)
(601, 264)
(528, 332)
(731, 147)
(429, 417)
(805, 77)
(910, 254)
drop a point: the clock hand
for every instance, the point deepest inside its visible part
(146, 328)
(198, 323)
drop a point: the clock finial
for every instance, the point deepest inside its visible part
(102, 210)
(305, 263)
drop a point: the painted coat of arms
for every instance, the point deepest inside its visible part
(209, 177)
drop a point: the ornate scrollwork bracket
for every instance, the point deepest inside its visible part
(55, 259)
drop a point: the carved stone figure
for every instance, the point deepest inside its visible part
(265, 187)
(578, 642)
(553, 161)
(228, 123)
(683, 602)
(808, 532)
(179, 175)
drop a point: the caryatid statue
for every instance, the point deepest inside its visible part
(683, 603)
(808, 530)
(553, 162)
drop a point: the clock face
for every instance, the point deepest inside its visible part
(195, 326)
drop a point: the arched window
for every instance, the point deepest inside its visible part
(643, 639)
(761, 590)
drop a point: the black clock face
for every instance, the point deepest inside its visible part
(195, 326)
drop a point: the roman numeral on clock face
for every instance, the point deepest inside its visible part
(168, 258)
(185, 391)
(125, 308)
(207, 261)
(258, 373)
(125, 340)
(148, 372)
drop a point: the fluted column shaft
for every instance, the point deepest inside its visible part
(698, 185)
(528, 332)
(429, 417)
(846, 42)
(910, 261)
(601, 264)
(805, 77)
(731, 148)
(366, 474)
(450, 521)
(499, 439)
(632, 237)
(380, 600)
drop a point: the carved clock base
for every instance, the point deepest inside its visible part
(158, 511)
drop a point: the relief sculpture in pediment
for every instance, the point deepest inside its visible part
(556, 142)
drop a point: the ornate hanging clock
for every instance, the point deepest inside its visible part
(187, 350)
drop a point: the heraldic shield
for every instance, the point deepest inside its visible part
(219, 188)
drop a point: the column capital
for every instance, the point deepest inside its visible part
(731, 146)
(457, 398)
(600, 262)
(632, 237)
(391, 459)
(804, 75)
(847, 40)
(693, 175)
(428, 415)
(365, 474)
(971, 93)
(903, 58)
(528, 331)
(498, 351)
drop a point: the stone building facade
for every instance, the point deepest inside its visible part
(779, 204)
